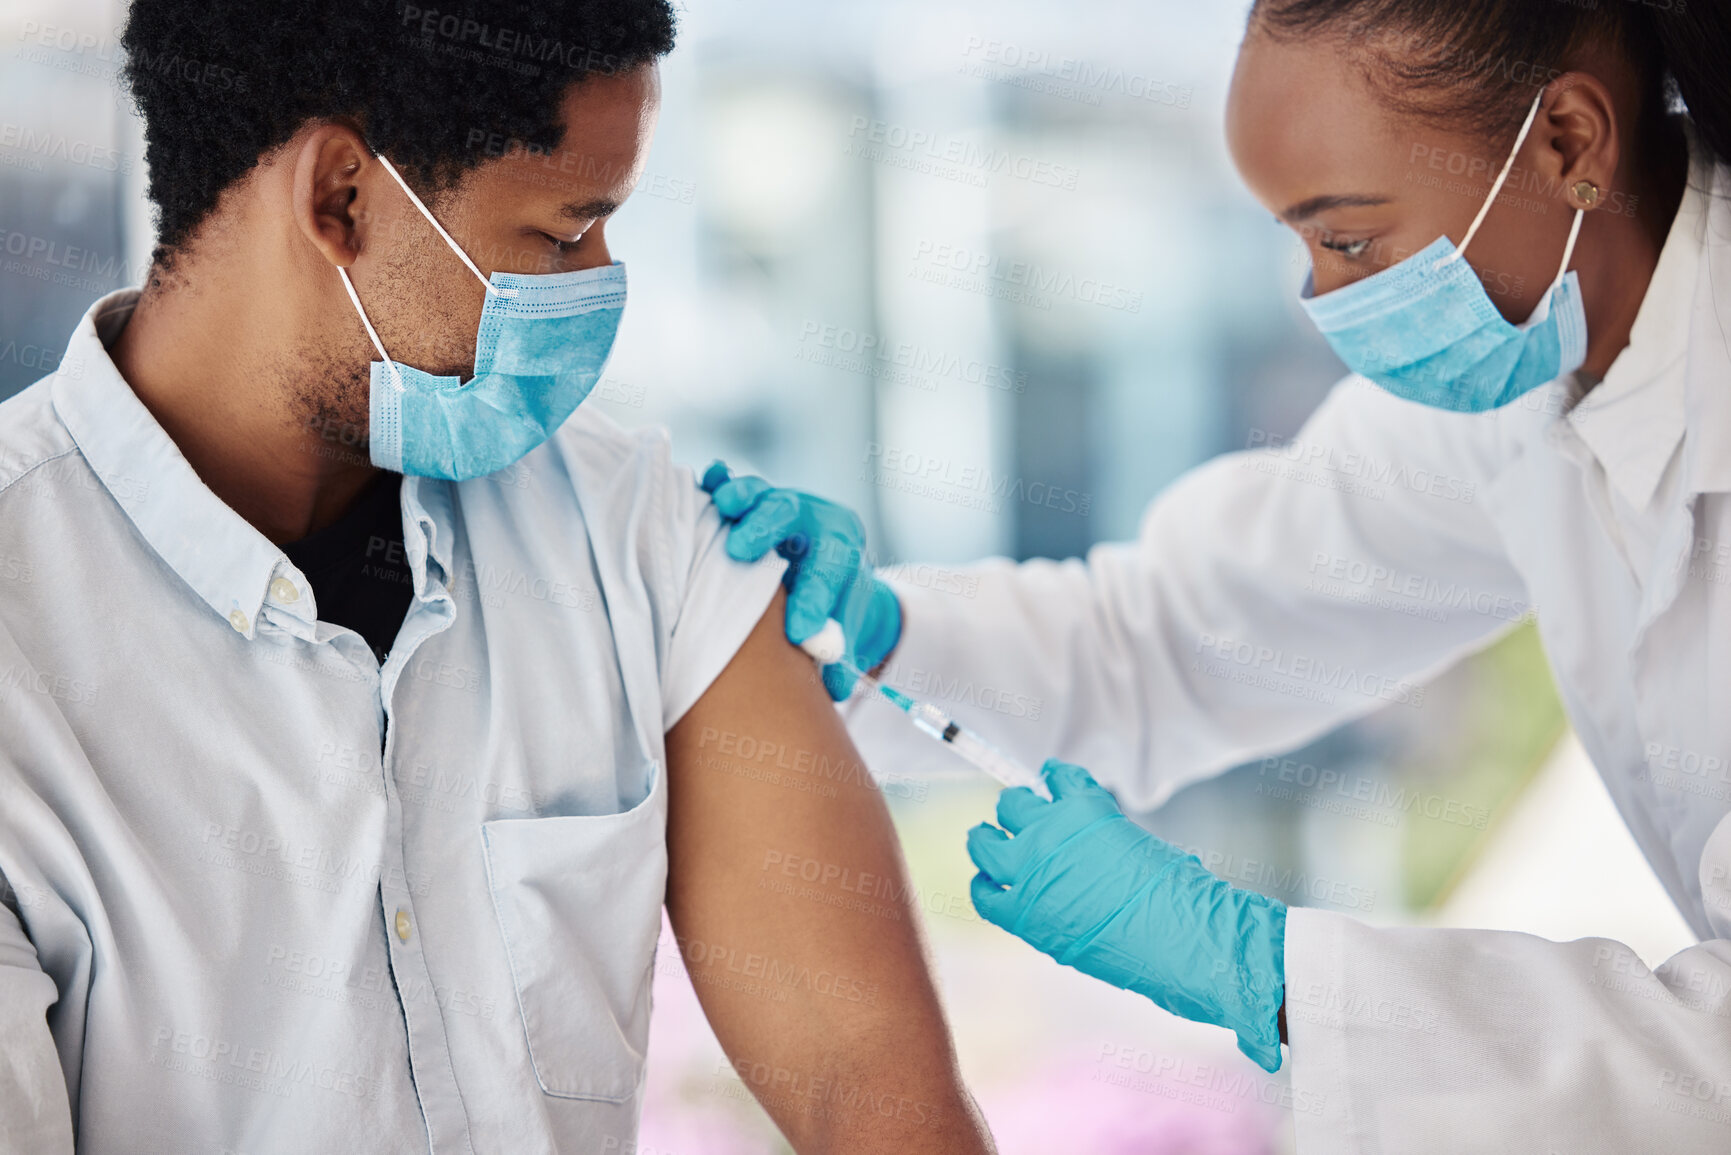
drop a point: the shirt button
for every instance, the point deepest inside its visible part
(237, 620)
(402, 924)
(284, 590)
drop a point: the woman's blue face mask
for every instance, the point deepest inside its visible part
(1425, 329)
(542, 343)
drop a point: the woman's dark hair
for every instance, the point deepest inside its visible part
(1439, 59)
(438, 87)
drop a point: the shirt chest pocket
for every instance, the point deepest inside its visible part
(578, 899)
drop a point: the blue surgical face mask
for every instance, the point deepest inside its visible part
(542, 343)
(1424, 329)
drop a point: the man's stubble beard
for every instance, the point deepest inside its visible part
(329, 381)
(329, 385)
(329, 397)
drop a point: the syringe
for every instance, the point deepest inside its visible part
(829, 647)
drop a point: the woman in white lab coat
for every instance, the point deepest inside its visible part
(1512, 440)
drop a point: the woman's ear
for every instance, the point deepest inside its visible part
(329, 204)
(1577, 138)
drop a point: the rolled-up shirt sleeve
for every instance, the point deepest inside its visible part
(720, 602)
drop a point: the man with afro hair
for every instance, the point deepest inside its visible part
(369, 697)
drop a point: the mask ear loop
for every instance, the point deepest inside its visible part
(434, 221)
(1485, 209)
(1569, 249)
(372, 335)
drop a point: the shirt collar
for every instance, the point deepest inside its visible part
(429, 526)
(213, 549)
(1707, 378)
(1634, 419)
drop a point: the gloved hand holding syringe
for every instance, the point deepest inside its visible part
(844, 581)
(829, 646)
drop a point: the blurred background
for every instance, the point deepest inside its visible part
(924, 256)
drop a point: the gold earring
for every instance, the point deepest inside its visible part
(1586, 192)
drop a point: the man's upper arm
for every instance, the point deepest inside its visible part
(34, 1115)
(784, 871)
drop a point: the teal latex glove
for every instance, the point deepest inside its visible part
(827, 575)
(1081, 882)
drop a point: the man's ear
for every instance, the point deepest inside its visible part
(1578, 135)
(329, 201)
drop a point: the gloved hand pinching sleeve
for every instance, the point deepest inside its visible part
(827, 575)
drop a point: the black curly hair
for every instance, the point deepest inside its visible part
(220, 83)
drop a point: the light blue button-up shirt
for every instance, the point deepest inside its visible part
(256, 932)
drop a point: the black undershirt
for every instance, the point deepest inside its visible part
(356, 565)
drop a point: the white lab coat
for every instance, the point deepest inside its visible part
(1274, 594)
